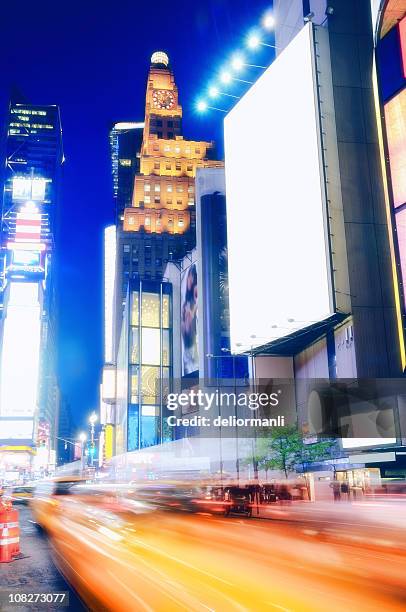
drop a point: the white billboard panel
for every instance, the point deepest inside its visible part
(279, 271)
(16, 430)
(20, 352)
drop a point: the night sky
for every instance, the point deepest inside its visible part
(91, 58)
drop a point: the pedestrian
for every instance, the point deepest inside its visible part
(335, 485)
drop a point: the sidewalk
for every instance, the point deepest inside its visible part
(35, 572)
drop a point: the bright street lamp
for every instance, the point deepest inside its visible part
(214, 93)
(268, 21)
(254, 41)
(201, 106)
(226, 78)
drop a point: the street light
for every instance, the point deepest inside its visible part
(214, 93)
(268, 21)
(202, 107)
(254, 41)
(238, 64)
(82, 440)
(226, 78)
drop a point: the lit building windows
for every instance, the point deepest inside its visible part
(147, 199)
(179, 188)
(126, 248)
(147, 187)
(181, 222)
(191, 202)
(131, 220)
(167, 148)
(157, 187)
(169, 188)
(178, 166)
(150, 310)
(177, 149)
(134, 309)
(147, 221)
(190, 189)
(125, 162)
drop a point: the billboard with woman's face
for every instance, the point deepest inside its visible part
(188, 315)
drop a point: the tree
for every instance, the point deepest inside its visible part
(284, 448)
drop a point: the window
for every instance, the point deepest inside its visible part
(134, 308)
(131, 220)
(159, 134)
(169, 201)
(126, 248)
(157, 187)
(170, 123)
(181, 223)
(147, 221)
(197, 151)
(147, 187)
(156, 147)
(191, 201)
(168, 166)
(167, 148)
(157, 200)
(179, 202)
(158, 261)
(157, 165)
(150, 309)
(190, 189)
(169, 188)
(179, 188)
(187, 151)
(147, 199)
(178, 166)
(170, 135)
(125, 162)
(190, 168)
(158, 223)
(165, 312)
(159, 122)
(134, 345)
(177, 149)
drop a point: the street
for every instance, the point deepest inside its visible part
(180, 561)
(35, 572)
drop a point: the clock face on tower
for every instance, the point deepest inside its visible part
(163, 99)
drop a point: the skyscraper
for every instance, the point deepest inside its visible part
(160, 223)
(155, 226)
(29, 394)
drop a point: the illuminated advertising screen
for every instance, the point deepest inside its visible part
(395, 117)
(29, 189)
(26, 258)
(21, 351)
(16, 430)
(189, 303)
(278, 255)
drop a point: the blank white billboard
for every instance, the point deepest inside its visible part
(20, 358)
(279, 270)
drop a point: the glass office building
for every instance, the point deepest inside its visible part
(144, 365)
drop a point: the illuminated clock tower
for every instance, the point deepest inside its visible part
(162, 212)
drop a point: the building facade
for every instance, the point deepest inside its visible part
(29, 396)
